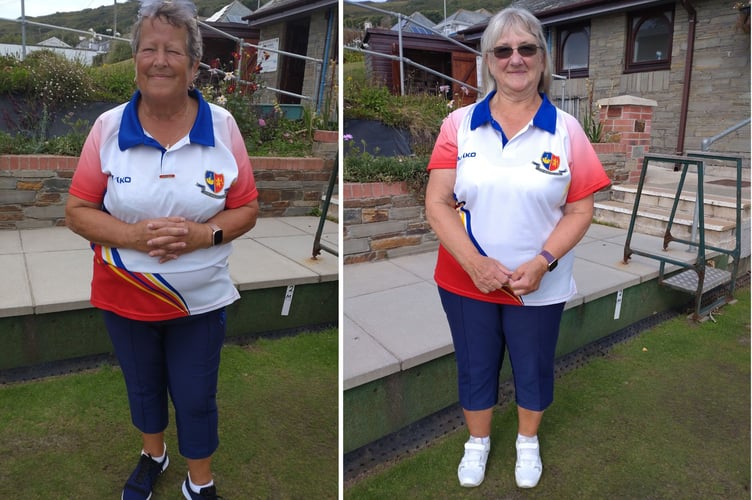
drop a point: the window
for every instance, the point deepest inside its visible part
(649, 37)
(573, 55)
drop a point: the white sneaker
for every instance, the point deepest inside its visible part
(472, 468)
(529, 467)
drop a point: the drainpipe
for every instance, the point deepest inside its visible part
(325, 63)
(689, 58)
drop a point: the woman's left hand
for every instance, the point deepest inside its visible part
(526, 278)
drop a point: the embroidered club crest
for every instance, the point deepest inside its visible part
(215, 182)
(550, 161)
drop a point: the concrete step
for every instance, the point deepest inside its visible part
(654, 221)
(716, 206)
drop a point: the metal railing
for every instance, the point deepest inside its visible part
(239, 41)
(404, 60)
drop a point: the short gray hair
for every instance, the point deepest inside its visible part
(514, 18)
(179, 13)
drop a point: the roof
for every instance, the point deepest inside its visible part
(276, 11)
(411, 27)
(553, 12)
(559, 11)
(54, 42)
(230, 13)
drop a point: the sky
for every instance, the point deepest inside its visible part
(11, 9)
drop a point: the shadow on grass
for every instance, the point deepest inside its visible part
(664, 415)
(71, 436)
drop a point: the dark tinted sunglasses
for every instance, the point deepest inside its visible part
(503, 52)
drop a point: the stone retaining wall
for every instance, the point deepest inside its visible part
(34, 188)
(383, 220)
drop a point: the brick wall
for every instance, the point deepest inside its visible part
(34, 189)
(383, 220)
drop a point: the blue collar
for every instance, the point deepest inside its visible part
(131, 132)
(545, 117)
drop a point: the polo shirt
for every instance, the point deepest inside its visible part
(510, 192)
(134, 178)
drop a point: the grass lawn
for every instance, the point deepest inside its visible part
(71, 436)
(665, 415)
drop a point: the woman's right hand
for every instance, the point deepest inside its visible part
(487, 274)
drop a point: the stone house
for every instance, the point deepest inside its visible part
(690, 56)
(307, 28)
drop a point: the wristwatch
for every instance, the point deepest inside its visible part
(552, 261)
(217, 234)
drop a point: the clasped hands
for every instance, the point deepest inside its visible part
(489, 274)
(170, 237)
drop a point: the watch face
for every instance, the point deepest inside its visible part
(552, 265)
(218, 237)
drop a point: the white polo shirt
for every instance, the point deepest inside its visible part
(135, 178)
(510, 192)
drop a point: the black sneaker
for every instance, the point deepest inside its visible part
(143, 477)
(208, 493)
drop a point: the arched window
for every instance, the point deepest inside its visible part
(650, 35)
(573, 56)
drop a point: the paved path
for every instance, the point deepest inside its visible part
(49, 270)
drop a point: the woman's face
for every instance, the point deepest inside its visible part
(163, 67)
(517, 73)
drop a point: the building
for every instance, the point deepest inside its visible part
(306, 28)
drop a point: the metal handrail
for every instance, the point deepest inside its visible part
(708, 141)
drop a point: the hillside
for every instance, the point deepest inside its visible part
(100, 20)
(355, 15)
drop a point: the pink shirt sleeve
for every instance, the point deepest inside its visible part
(244, 189)
(588, 175)
(444, 153)
(89, 183)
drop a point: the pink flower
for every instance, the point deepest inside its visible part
(262, 122)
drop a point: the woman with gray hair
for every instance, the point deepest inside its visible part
(510, 194)
(163, 184)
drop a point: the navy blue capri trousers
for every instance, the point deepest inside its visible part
(482, 331)
(180, 356)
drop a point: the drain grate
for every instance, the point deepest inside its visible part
(413, 438)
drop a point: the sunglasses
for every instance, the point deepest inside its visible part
(527, 50)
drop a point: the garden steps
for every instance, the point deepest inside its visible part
(47, 322)
(658, 196)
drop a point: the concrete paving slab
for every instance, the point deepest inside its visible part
(62, 282)
(611, 255)
(370, 277)
(408, 321)
(601, 232)
(254, 266)
(10, 242)
(15, 295)
(366, 359)
(595, 280)
(654, 244)
(311, 224)
(299, 249)
(272, 226)
(421, 265)
(52, 239)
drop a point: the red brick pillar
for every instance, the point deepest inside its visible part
(627, 121)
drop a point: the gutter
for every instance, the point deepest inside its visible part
(689, 59)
